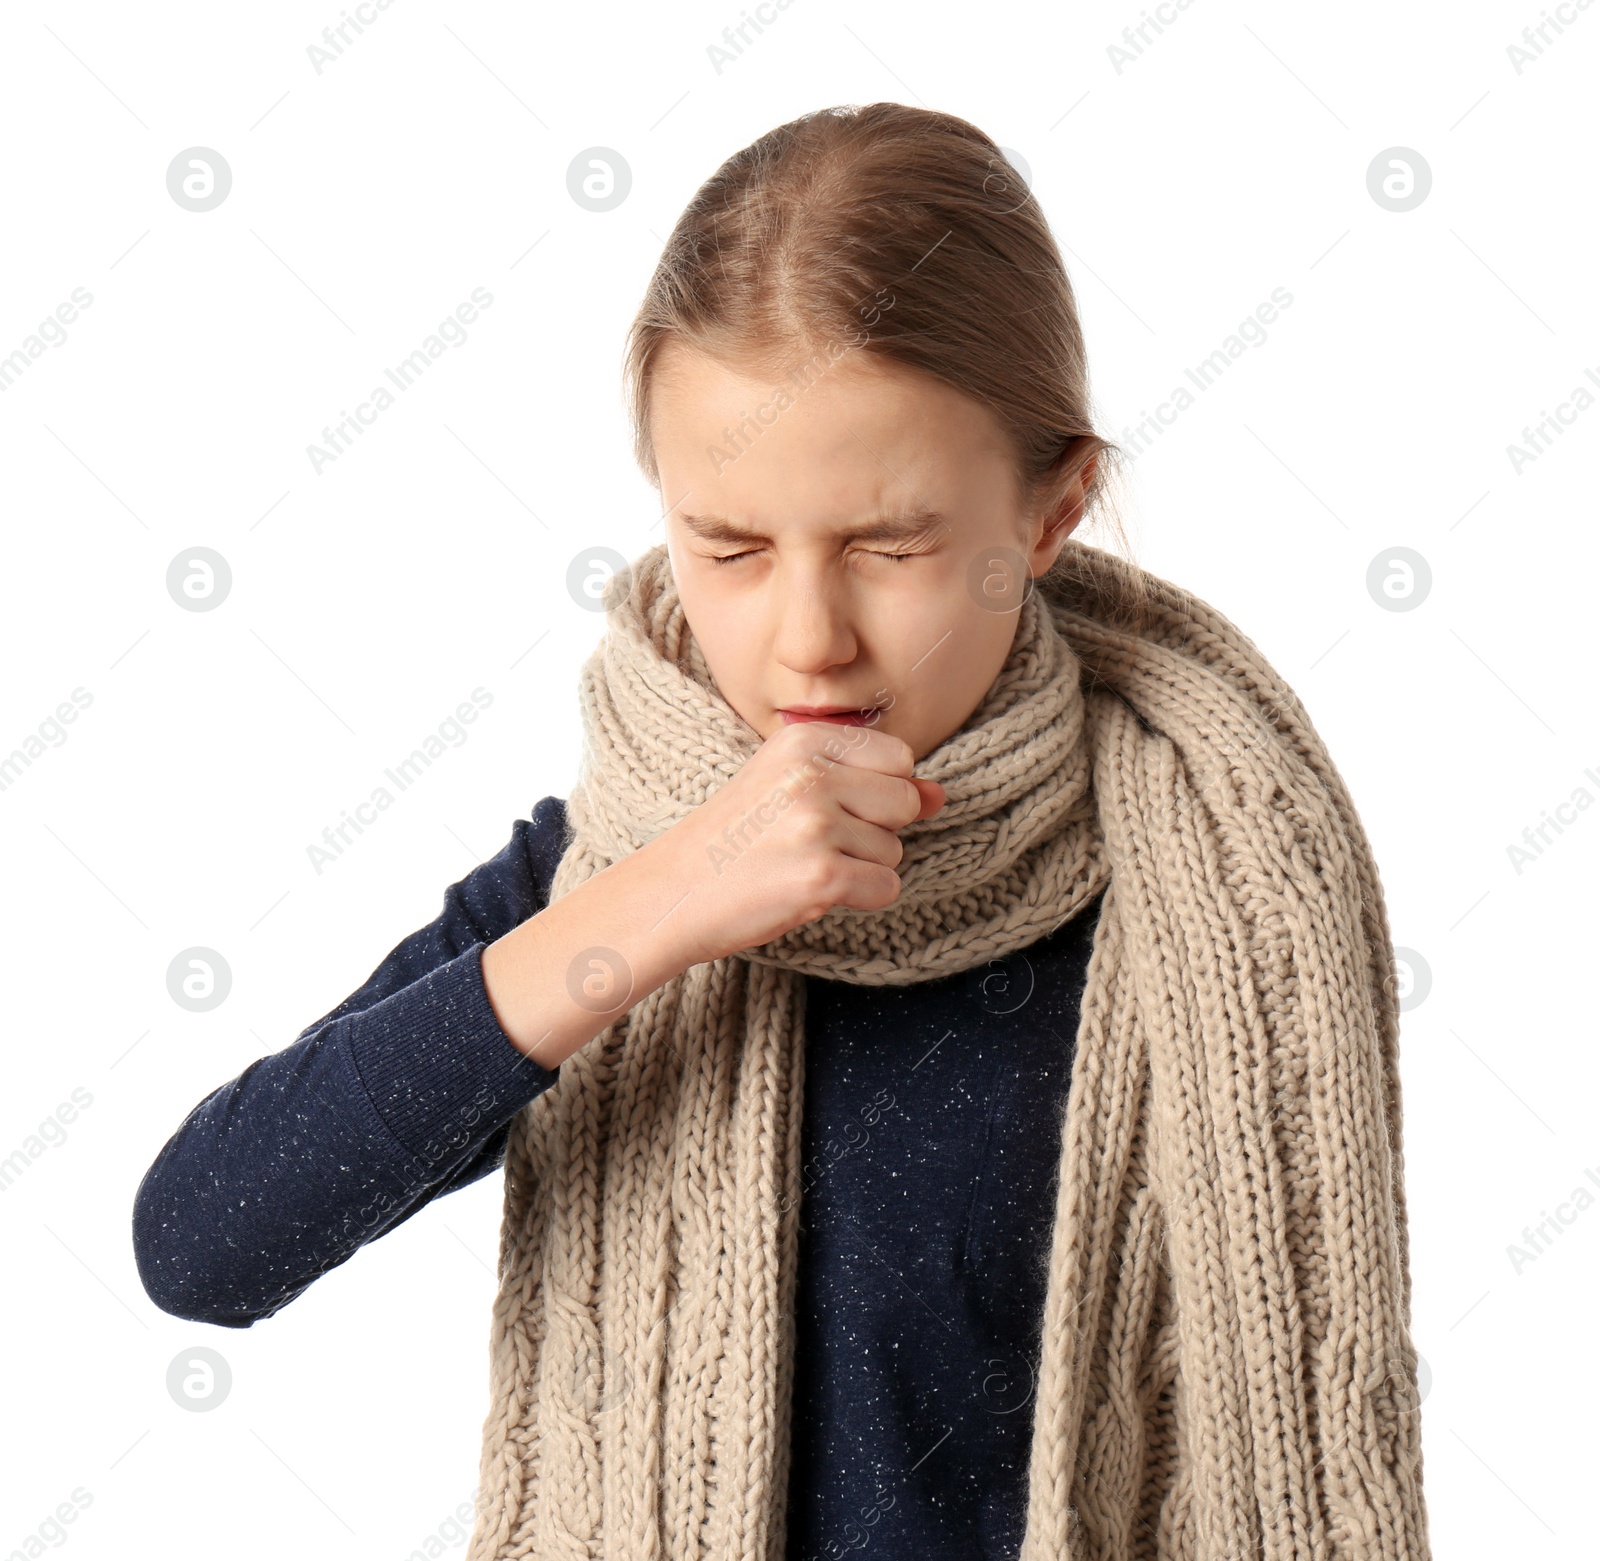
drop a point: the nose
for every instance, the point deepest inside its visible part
(814, 629)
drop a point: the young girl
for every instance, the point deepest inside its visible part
(943, 1051)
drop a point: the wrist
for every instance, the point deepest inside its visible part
(659, 897)
(563, 975)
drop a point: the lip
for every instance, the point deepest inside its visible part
(840, 715)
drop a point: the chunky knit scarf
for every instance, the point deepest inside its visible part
(1227, 1371)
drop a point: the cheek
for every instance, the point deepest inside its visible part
(985, 644)
(726, 625)
(979, 643)
(938, 640)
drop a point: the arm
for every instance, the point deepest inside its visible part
(400, 1094)
(407, 1089)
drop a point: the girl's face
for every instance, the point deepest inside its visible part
(857, 544)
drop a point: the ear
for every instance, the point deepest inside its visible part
(1062, 510)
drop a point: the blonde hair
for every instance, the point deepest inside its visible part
(789, 251)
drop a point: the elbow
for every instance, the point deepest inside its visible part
(179, 1292)
(179, 1273)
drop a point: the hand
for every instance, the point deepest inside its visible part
(809, 823)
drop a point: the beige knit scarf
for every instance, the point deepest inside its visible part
(1227, 1371)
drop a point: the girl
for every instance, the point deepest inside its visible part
(942, 1052)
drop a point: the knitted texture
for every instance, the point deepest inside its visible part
(1226, 1369)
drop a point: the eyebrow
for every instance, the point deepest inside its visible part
(884, 528)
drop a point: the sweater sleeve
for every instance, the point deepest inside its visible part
(403, 1092)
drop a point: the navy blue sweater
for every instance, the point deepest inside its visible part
(931, 1136)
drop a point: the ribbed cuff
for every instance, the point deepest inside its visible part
(441, 1072)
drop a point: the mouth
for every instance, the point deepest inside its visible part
(839, 715)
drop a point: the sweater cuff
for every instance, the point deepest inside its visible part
(440, 1071)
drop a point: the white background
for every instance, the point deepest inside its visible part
(431, 158)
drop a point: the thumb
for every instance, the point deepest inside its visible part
(933, 797)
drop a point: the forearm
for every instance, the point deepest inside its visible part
(561, 977)
(315, 1150)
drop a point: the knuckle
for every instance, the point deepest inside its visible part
(810, 824)
(820, 881)
(820, 875)
(808, 736)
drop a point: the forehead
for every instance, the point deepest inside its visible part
(816, 433)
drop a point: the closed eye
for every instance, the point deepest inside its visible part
(731, 558)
